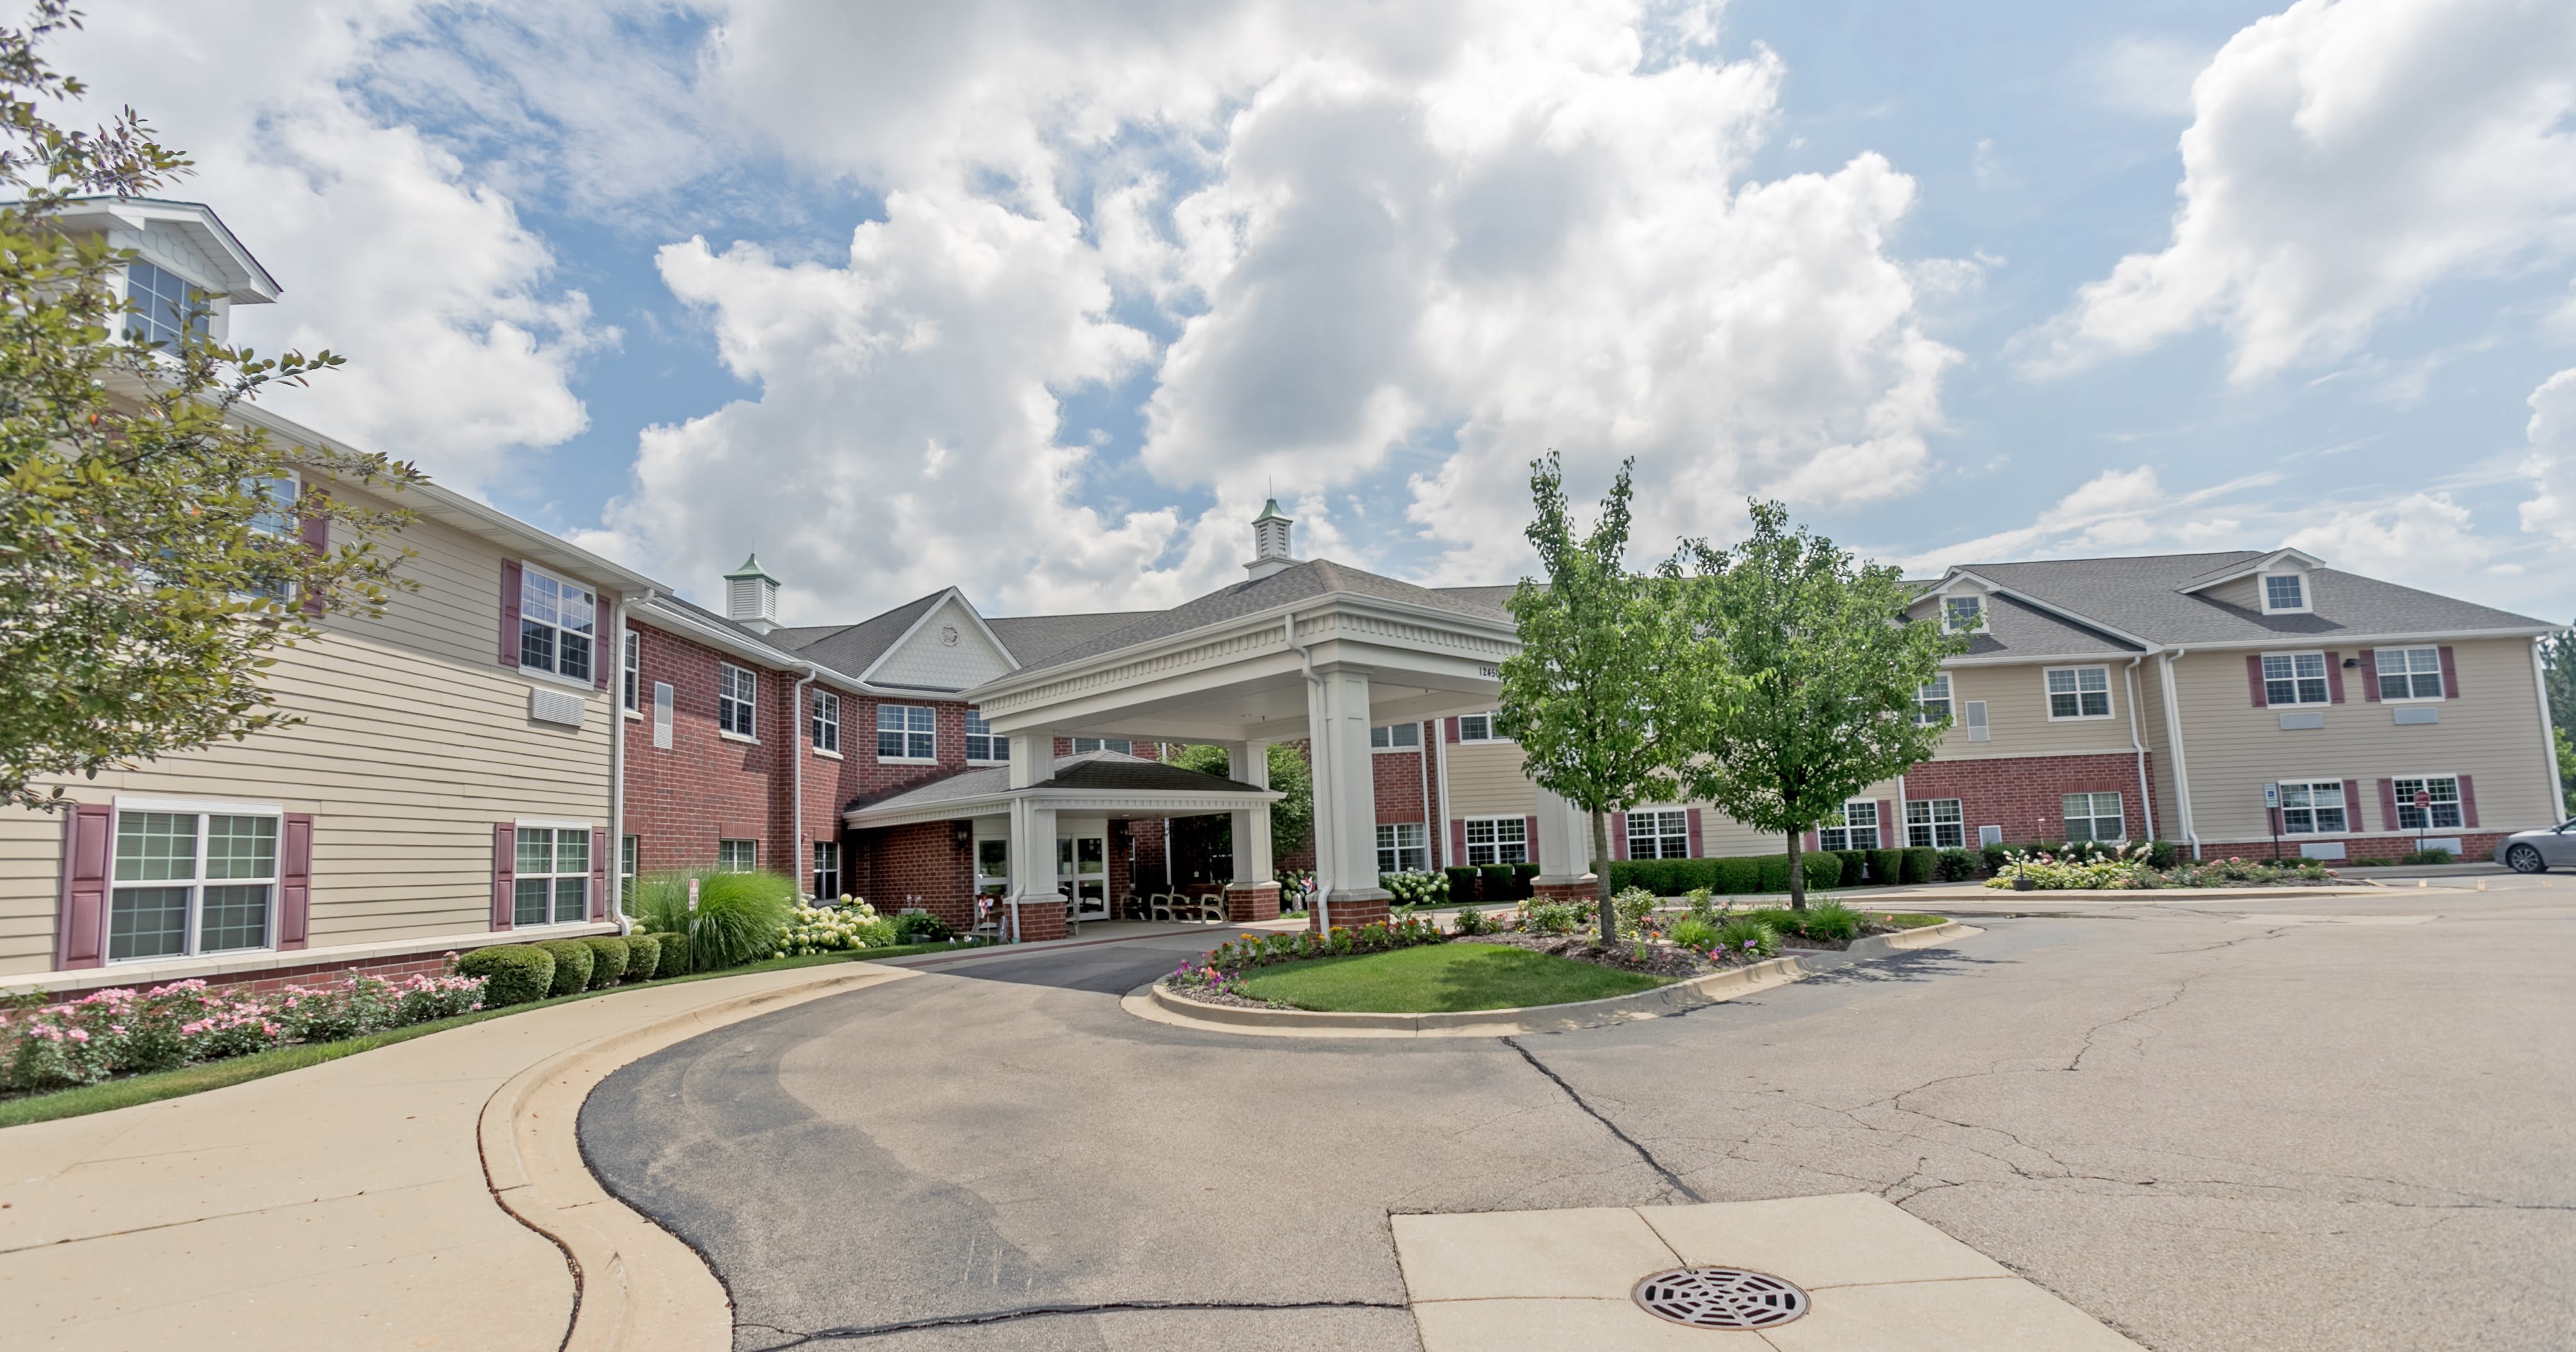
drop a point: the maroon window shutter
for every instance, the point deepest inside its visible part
(2388, 805)
(1529, 839)
(2468, 794)
(2334, 678)
(1890, 833)
(599, 874)
(2352, 806)
(1618, 835)
(2370, 675)
(505, 867)
(1450, 726)
(1457, 840)
(1813, 841)
(2254, 677)
(80, 925)
(1697, 850)
(295, 881)
(2450, 677)
(317, 537)
(509, 612)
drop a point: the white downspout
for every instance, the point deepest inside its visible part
(2146, 791)
(617, 764)
(1440, 755)
(1428, 853)
(797, 736)
(2548, 737)
(2181, 762)
(1315, 751)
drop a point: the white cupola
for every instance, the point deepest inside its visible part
(1270, 541)
(751, 596)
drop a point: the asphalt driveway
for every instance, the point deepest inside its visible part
(2334, 1124)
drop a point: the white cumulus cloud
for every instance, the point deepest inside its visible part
(2551, 466)
(2343, 159)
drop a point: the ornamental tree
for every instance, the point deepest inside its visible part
(1590, 695)
(1827, 673)
(151, 561)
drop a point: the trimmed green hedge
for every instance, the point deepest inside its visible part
(513, 974)
(1754, 873)
(607, 960)
(643, 956)
(1921, 863)
(573, 963)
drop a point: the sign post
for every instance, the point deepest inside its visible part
(2423, 817)
(2272, 812)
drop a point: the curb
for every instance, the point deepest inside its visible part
(636, 1286)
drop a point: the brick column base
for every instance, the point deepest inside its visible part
(1246, 903)
(1584, 889)
(1040, 918)
(1349, 912)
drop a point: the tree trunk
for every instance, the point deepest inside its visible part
(1797, 873)
(1601, 876)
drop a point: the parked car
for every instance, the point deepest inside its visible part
(2535, 850)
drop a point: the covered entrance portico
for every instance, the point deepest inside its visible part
(1314, 651)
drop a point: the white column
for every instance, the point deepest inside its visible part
(1249, 763)
(1337, 716)
(1564, 840)
(1032, 757)
(1033, 878)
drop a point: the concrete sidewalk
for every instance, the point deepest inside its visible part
(341, 1207)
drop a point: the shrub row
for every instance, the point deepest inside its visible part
(1741, 874)
(2161, 854)
(1490, 884)
(514, 974)
(123, 1031)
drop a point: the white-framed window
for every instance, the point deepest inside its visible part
(1396, 737)
(2294, 678)
(1932, 701)
(2284, 592)
(1659, 833)
(2314, 808)
(826, 729)
(192, 878)
(163, 305)
(827, 869)
(2079, 692)
(2443, 815)
(1859, 830)
(1936, 822)
(630, 850)
(1960, 614)
(1973, 713)
(1123, 746)
(737, 856)
(1497, 840)
(1403, 847)
(551, 885)
(1479, 728)
(907, 732)
(557, 623)
(2093, 816)
(630, 690)
(280, 494)
(982, 743)
(2409, 673)
(737, 699)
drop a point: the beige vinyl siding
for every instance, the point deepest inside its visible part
(2492, 732)
(2167, 809)
(2245, 593)
(2017, 718)
(1485, 781)
(415, 741)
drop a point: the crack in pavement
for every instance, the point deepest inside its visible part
(845, 1333)
(1673, 1180)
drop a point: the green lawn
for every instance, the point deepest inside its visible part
(1440, 979)
(126, 1091)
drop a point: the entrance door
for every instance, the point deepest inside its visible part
(1082, 873)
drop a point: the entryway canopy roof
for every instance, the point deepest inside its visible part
(1094, 784)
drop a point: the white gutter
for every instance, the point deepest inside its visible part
(617, 766)
(1315, 753)
(2146, 791)
(797, 738)
(2548, 737)
(2181, 764)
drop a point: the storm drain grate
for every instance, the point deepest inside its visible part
(1720, 1298)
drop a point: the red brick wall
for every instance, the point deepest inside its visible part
(1399, 779)
(2020, 793)
(920, 865)
(327, 973)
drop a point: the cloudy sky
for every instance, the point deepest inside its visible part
(1041, 296)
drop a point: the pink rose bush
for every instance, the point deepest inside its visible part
(119, 1030)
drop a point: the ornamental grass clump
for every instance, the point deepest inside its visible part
(1745, 939)
(121, 1031)
(737, 918)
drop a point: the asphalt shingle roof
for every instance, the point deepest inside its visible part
(2144, 596)
(1103, 770)
(1034, 637)
(1297, 582)
(851, 648)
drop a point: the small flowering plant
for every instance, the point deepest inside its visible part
(849, 924)
(1261, 950)
(119, 1030)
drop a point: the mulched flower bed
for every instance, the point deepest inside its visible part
(1662, 959)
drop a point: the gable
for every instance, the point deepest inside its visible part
(947, 650)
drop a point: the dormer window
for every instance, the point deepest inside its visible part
(1962, 614)
(2284, 592)
(165, 305)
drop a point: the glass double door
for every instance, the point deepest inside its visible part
(1082, 873)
